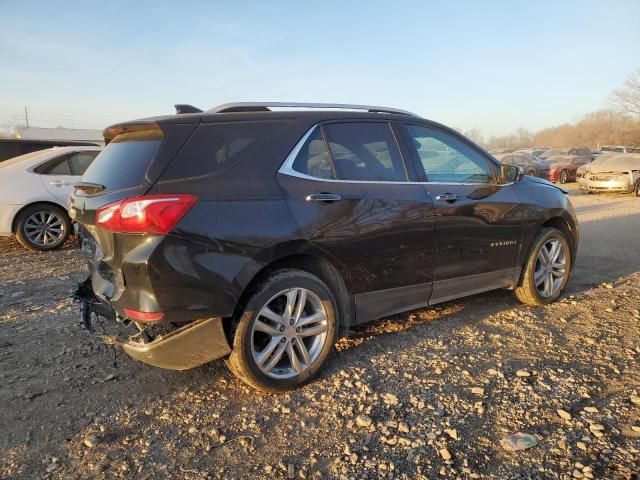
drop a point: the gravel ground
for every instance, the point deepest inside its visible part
(428, 394)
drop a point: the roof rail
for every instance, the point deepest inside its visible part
(266, 106)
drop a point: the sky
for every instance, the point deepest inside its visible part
(492, 65)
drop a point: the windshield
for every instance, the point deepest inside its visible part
(555, 151)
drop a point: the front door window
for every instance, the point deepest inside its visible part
(446, 159)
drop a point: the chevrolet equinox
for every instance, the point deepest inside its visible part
(259, 232)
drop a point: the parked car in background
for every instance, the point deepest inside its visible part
(536, 152)
(611, 173)
(564, 162)
(500, 151)
(258, 235)
(619, 149)
(531, 165)
(34, 190)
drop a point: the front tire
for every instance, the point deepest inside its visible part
(564, 177)
(636, 189)
(547, 270)
(42, 227)
(285, 333)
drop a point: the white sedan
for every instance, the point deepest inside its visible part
(34, 190)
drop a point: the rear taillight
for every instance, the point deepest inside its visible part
(146, 214)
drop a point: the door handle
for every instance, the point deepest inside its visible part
(323, 197)
(448, 197)
(59, 183)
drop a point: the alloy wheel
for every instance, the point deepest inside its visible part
(289, 333)
(550, 267)
(44, 228)
(563, 176)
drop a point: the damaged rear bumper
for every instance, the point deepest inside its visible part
(182, 348)
(187, 347)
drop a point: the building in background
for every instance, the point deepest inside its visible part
(60, 134)
(32, 139)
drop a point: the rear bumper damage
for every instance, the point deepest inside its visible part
(187, 347)
(173, 348)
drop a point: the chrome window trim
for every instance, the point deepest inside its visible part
(287, 169)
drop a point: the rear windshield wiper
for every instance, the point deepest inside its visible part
(89, 188)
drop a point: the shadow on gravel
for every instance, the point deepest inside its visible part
(607, 251)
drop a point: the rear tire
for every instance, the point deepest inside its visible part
(636, 189)
(42, 227)
(285, 333)
(540, 283)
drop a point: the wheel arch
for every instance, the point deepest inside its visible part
(316, 265)
(565, 227)
(14, 221)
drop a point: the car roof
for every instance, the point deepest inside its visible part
(33, 158)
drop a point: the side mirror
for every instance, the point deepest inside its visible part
(511, 173)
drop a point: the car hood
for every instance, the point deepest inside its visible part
(542, 181)
(615, 163)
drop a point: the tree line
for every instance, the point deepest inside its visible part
(617, 125)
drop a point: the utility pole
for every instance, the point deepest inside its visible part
(26, 116)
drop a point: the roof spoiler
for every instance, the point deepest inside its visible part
(184, 108)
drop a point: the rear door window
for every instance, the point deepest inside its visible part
(80, 161)
(123, 163)
(60, 167)
(365, 151)
(314, 159)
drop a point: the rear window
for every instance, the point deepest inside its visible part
(124, 161)
(217, 146)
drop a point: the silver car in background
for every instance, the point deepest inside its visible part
(611, 173)
(531, 165)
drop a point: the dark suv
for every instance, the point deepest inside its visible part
(260, 235)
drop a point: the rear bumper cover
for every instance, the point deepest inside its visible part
(7, 215)
(187, 347)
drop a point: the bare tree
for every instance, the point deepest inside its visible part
(475, 134)
(628, 97)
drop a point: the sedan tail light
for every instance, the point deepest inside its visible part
(145, 214)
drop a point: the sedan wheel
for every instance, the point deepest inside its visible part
(42, 227)
(564, 176)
